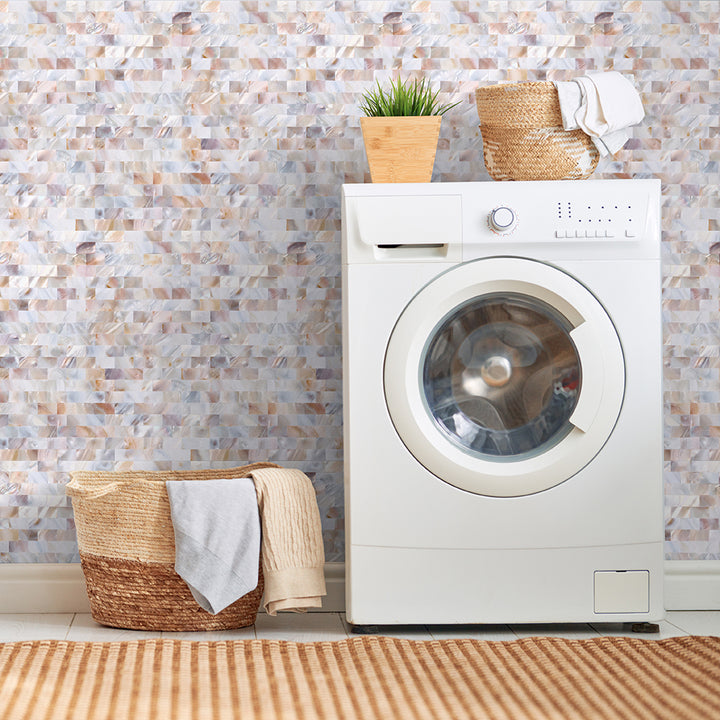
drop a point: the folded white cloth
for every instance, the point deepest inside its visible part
(217, 538)
(603, 105)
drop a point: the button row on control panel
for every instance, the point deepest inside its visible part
(590, 233)
(584, 234)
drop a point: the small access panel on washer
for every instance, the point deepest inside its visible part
(502, 402)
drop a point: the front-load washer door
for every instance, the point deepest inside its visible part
(504, 376)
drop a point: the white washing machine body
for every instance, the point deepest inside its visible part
(502, 402)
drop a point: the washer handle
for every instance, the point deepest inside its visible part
(591, 378)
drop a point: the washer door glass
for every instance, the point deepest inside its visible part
(501, 376)
(504, 376)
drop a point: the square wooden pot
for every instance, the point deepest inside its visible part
(401, 149)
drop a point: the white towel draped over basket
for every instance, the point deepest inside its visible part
(603, 105)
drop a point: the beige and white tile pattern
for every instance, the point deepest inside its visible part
(170, 224)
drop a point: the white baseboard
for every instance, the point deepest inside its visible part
(42, 588)
(692, 585)
(58, 588)
(334, 601)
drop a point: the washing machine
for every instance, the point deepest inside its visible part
(502, 402)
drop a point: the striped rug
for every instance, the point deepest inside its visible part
(364, 677)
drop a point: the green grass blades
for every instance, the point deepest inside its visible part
(404, 97)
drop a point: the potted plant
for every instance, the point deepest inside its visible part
(401, 130)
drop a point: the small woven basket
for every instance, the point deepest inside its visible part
(523, 135)
(127, 552)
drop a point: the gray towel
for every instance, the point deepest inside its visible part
(217, 538)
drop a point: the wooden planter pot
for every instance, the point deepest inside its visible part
(401, 149)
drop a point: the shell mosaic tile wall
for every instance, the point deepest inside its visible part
(170, 225)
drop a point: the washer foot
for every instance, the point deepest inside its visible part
(645, 627)
(364, 629)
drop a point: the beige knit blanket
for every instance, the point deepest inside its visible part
(293, 558)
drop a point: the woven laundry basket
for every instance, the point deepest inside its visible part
(127, 552)
(523, 135)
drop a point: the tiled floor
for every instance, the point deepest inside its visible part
(333, 626)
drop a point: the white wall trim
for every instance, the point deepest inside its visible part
(692, 585)
(58, 588)
(334, 601)
(42, 588)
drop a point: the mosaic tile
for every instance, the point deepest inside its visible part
(170, 245)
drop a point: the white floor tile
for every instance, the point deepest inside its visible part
(300, 627)
(696, 622)
(246, 633)
(313, 627)
(35, 626)
(667, 630)
(85, 629)
(575, 631)
(475, 632)
(407, 632)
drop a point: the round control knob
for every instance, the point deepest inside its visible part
(502, 219)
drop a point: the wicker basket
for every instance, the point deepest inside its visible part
(127, 553)
(523, 135)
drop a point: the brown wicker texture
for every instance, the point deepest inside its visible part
(523, 136)
(127, 552)
(366, 678)
(152, 596)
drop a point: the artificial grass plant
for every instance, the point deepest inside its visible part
(405, 97)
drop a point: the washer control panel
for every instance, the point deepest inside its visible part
(603, 218)
(577, 215)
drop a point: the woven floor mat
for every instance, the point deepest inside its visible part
(365, 677)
